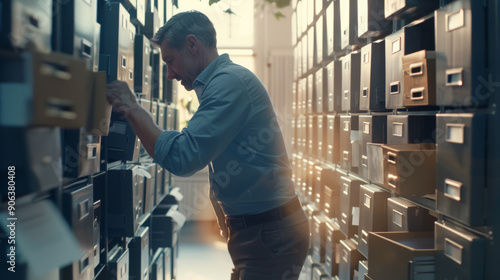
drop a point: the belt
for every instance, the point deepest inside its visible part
(275, 214)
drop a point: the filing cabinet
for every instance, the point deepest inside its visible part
(123, 143)
(312, 135)
(50, 90)
(408, 9)
(349, 259)
(330, 197)
(152, 20)
(169, 87)
(362, 269)
(372, 214)
(167, 265)
(311, 180)
(373, 130)
(36, 154)
(81, 153)
(349, 25)
(160, 120)
(319, 90)
(409, 39)
(311, 210)
(397, 255)
(311, 95)
(461, 164)
(126, 204)
(461, 54)
(76, 35)
(319, 38)
(333, 139)
(302, 96)
(138, 15)
(403, 215)
(149, 186)
(410, 169)
(406, 129)
(372, 80)
(349, 206)
(164, 228)
(302, 133)
(419, 71)
(319, 238)
(25, 22)
(349, 142)
(300, 174)
(97, 48)
(142, 78)
(333, 248)
(333, 29)
(351, 72)
(371, 19)
(171, 118)
(321, 137)
(96, 229)
(460, 254)
(139, 254)
(118, 264)
(161, 186)
(375, 156)
(157, 83)
(318, 170)
(78, 209)
(146, 105)
(295, 112)
(334, 86)
(99, 115)
(319, 273)
(157, 265)
(305, 53)
(117, 42)
(311, 55)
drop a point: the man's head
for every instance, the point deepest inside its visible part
(188, 44)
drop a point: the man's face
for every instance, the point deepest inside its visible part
(181, 64)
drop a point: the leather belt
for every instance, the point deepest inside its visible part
(275, 214)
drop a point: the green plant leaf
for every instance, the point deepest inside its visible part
(229, 11)
(211, 2)
(279, 3)
(279, 15)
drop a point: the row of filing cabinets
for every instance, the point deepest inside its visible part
(388, 238)
(398, 153)
(416, 66)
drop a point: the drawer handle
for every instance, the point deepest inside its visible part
(416, 69)
(394, 87)
(453, 250)
(454, 77)
(452, 189)
(417, 93)
(391, 157)
(391, 180)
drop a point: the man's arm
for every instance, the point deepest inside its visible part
(124, 101)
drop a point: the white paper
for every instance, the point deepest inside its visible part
(175, 192)
(43, 238)
(177, 216)
(142, 171)
(355, 138)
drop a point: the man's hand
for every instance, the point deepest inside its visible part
(121, 97)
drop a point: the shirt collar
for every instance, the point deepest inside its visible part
(207, 73)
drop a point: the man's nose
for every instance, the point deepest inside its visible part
(170, 74)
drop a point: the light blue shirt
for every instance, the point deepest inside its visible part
(235, 129)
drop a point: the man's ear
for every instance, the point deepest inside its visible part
(192, 43)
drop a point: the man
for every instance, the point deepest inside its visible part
(235, 132)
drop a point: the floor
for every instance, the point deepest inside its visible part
(202, 253)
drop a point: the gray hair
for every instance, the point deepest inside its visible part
(183, 24)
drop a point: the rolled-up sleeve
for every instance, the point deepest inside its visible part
(224, 110)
